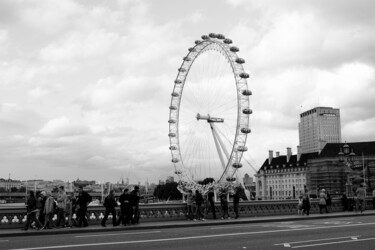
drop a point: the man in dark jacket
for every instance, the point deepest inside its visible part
(210, 198)
(110, 204)
(134, 202)
(31, 212)
(236, 202)
(126, 210)
(198, 203)
(83, 200)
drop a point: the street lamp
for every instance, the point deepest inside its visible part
(347, 159)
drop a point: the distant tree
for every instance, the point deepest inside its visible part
(14, 189)
(22, 189)
(206, 181)
(167, 191)
(2, 190)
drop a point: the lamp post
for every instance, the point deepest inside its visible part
(347, 158)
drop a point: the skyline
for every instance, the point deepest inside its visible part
(85, 85)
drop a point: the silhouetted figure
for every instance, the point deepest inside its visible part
(83, 200)
(110, 204)
(31, 212)
(126, 210)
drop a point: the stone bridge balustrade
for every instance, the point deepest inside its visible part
(15, 217)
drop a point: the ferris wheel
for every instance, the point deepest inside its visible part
(209, 114)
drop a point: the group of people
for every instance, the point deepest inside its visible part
(303, 206)
(41, 207)
(198, 205)
(129, 207)
(325, 201)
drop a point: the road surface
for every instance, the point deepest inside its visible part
(355, 232)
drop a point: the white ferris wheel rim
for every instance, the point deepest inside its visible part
(217, 42)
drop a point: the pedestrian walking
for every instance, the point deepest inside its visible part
(126, 210)
(299, 205)
(69, 209)
(83, 200)
(328, 201)
(189, 205)
(31, 212)
(224, 206)
(236, 202)
(198, 206)
(135, 197)
(49, 211)
(344, 201)
(361, 196)
(61, 206)
(110, 204)
(322, 201)
(210, 197)
(306, 204)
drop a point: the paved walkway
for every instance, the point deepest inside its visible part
(178, 223)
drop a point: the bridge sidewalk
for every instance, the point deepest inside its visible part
(175, 224)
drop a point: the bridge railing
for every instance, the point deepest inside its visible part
(15, 217)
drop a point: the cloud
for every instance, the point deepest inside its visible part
(85, 85)
(62, 127)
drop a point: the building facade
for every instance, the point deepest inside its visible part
(317, 127)
(283, 176)
(8, 184)
(328, 172)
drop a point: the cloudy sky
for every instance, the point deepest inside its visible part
(85, 85)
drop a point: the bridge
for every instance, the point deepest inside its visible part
(15, 217)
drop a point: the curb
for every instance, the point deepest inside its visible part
(246, 220)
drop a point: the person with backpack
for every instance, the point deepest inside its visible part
(110, 204)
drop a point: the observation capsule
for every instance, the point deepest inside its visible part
(245, 130)
(205, 37)
(231, 179)
(198, 42)
(172, 148)
(175, 160)
(227, 41)
(220, 36)
(171, 121)
(172, 107)
(247, 92)
(242, 148)
(182, 69)
(177, 81)
(237, 165)
(172, 135)
(212, 35)
(186, 58)
(240, 60)
(234, 49)
(175, 94)
(178, 172)
(244, 75)
(247, 111)
(192, 49)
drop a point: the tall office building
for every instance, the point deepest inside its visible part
(317, 127)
